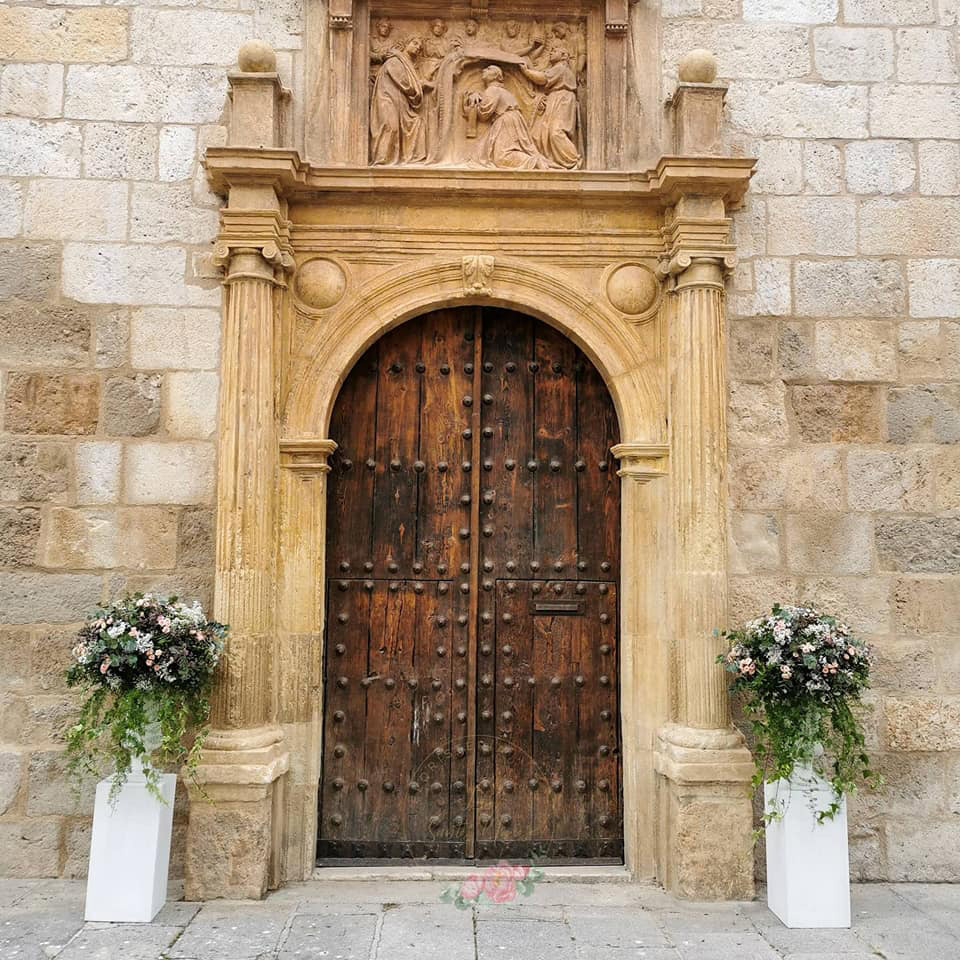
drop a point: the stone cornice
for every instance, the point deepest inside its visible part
(723, 178)
(641, 462)
(306, 454)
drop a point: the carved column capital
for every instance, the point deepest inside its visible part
(306, 455)
(698, 252)
(641, 462)
(254, 247)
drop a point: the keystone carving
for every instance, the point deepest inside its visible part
(477, 273)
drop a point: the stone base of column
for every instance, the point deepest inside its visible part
(235, 832)
(706, 813)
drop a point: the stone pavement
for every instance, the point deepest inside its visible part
(394, 920)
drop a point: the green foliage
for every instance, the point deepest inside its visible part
(146, 667)
(801, 675)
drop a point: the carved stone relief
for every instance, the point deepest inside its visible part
(505, 93)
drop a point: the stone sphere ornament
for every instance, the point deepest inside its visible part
(633, 289)
(257, 56)
(698, 66)
(320, 283)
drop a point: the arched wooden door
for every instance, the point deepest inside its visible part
(471, 669)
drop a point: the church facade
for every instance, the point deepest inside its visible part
(475, 368)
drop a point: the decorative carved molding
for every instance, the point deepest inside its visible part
(341, 23)
(697, 241)
(634, 289)
(341, 14)
(616, 17)
(641, 462)
(477, 273)
(263, 233)
(306, 454)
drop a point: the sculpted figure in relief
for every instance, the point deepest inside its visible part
(508, 142)
(397, 130)
(380, 46)
(555, 127)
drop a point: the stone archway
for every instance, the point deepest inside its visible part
(658, 341)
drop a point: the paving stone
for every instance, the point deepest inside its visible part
(343, 936)
(427, 932)
(530, 939)
(609, 931)
(725, 946)
(36, 932)
(12, 891)
(120, 941)
(940, 901)
(241, 931)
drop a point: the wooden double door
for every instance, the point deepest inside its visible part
(471, 667)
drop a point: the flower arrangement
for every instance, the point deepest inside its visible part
(802, 674)
(146, 665)
(497, 884)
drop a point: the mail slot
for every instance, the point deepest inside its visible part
(557, 608)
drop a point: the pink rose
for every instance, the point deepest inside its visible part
(499, 885)
(471, 888)
(520, 871)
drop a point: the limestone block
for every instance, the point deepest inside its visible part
(177, 153)
(950, 331)
(910, 226)
(913, 111)
(750, 228)
(680, 8)
(52, 403)
(922, 723)
(119, 151)
(920, 349)
(754, 545)
(926, 55)
(924, 413)
(889, 11)
(913, 783)
(832, 413)
(30, 848)
(764, 478)
(796, 352)
(76, 210)
(63, 36)
(812, 225)
(11, 208)
(82, 539)
(853, 53)
(757, 412)
(751, 349)
(851, 288)
(169, 472)
(755, 595)
(187, 37)
(918, 544)
(175, 339)
(34, 471)
(34, 333)
(934, 288)
(76, 847)
(131, 274)
(923, 606)
(827, 543)
(789, 108)
(779, 167)
(791, 11)
(48, 597)
(746, 51)
(111, 339)
(855, 350)
(131, 405)
(195, 543)
(902, 666)
(191, 404)
(32, 90)
(922, 849)
(889, 481)
(134, 93)
(48, 787)
(863, 602)
(21, 528)
(32, 149)
(49, 649)
(148, 538)
(97, 468)
(28, 269)
(880, 166)
(939, 167)
(947, 478)
(822, 167)
(11, 777)
(162, 212)
(771, 294)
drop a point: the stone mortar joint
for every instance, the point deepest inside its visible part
(256, 56)
(698, 66)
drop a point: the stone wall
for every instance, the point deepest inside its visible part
(844, 356)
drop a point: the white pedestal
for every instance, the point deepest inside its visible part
(130, 851)
(808, 868)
